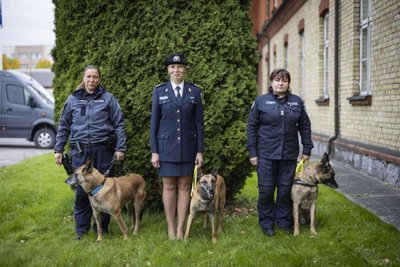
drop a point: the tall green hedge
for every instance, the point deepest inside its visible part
(129, 40)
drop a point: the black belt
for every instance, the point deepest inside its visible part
(82, 145)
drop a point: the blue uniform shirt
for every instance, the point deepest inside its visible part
(273, 127)
(177, 129)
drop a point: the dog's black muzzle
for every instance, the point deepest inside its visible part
(72, 180)
(207, 192)
(331, 183)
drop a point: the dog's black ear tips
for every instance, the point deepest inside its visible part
(88, 164)
(214, 172)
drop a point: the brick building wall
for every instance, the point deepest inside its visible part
(368, 134)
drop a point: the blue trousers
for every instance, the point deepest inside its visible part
(101, 157)
(275, 174)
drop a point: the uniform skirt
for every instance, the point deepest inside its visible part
(175, 169)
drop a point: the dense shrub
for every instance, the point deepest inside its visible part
(129, 40)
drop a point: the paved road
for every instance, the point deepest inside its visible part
(13, 150)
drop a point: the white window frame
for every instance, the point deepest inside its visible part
(326, 55)
(365, 48)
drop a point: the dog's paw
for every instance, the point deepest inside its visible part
(313, 232)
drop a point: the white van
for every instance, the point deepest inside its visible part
(26, 109)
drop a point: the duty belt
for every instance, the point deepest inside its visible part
(82, 145)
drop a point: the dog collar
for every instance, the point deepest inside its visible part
(300, 182)
(97, 189)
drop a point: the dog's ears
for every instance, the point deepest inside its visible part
(325, 160)
(214, 173)
(88, 165)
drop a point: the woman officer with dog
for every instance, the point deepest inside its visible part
(94, 124)
(273, 125)
(176, 140)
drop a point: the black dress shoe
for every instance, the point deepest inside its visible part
(287, 230)
(269, 232)
(79, 236)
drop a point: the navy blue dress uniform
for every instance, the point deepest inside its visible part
(272, 132)
(91, 120)
(177, 125)
(177, 128)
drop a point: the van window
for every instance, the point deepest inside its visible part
(17, 94)
(42, 92)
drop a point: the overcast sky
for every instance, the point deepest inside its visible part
(27, 22)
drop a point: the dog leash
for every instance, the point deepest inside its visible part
(299, 166)
(111, 165)
(194, 181)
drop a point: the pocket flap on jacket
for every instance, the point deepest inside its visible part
(163, 135)
(192, 135)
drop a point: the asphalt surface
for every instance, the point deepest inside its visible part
(381, 199)
(14, 150)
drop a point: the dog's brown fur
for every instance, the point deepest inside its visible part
(305, 192)
(117, 192)
(208, 196)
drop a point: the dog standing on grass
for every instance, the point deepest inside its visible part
(110, 195)
(305, 192)
(208, 197)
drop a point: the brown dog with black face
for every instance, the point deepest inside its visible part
(305, 192)
(111, 194)
(208, 197)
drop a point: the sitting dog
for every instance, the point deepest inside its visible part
(110, 195)
(209, 197)
(305, 192)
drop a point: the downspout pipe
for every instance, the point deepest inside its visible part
(336, 81)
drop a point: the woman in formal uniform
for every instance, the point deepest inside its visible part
(176, 140)
(273, 125)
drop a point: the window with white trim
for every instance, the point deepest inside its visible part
(326, 54)
(365, 47)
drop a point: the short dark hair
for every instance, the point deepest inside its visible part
(280, 73)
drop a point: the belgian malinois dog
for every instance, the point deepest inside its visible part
(208, 197)
(305, 192)
(110, 195)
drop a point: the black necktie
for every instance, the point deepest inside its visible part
(178, 95)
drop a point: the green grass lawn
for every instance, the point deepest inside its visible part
(37, 229)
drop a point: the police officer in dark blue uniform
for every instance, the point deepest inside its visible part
(93, 122)
(176, 140)
(274, 122)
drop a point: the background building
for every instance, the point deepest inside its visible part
(28, 56)
(344, 60)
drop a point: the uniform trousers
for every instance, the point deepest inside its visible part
(101, 156)
(275, 174)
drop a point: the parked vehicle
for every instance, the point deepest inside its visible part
(26, 109)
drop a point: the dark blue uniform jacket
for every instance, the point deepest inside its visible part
(90, 119)
(273, 126)
(177, 129)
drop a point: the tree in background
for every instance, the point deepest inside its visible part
(130, 40)
(10, 63)
(43, 64)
